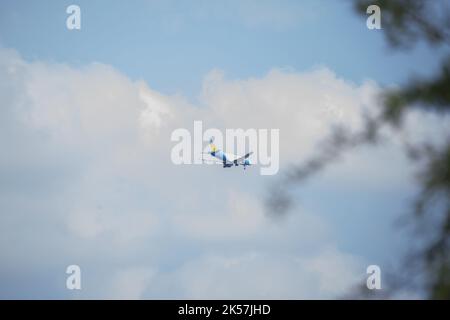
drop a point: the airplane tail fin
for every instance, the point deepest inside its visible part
(212, 145)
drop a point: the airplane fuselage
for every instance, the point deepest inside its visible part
(228, 160)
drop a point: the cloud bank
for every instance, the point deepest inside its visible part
(86, 178)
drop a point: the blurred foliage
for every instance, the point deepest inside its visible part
(404, 23)
(431, 94)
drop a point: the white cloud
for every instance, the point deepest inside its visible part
(89, 155)
(121, 227)
(130, 283)
(257, 275)
(239, 216)
(157, 107)
(304, 106)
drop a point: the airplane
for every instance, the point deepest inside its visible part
(227, 159)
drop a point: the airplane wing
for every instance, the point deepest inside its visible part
(212, 160)
(241, 159)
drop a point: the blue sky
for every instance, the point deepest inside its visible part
(173, 44)
(86, 179)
